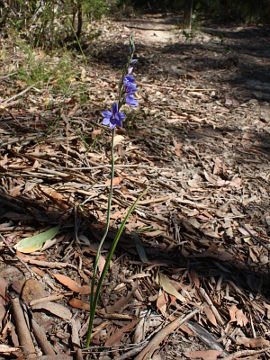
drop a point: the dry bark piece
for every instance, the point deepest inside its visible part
(5, 349)
(75, 327)
(252, 342)
(148, 351)
(116, 337)
(55, 357)
(41, 338)
(203, 354)
(56, 309)
(22, 329)
(205, 336)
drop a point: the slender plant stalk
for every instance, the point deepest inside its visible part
(103, 237)
(94, 296)
(106, 267)
(77, 39)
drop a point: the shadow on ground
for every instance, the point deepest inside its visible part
(239, 58)
(25, 212)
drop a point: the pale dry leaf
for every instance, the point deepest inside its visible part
(118, 139)
(162, 303)
(101, 263)
(177, 148)
(203, 354)
(116, 181)
(218, 167)
(95, 133)
(210, 316)
(252, 342)
(139, 334)
(56, 309)
(167, 286)
(7, 349)
(76, 327)
(241, 318)
(232, 311)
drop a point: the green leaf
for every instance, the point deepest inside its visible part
(34, 243)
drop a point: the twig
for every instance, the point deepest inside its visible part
(130, 354)
(212, 307)
(22, 329)
(267, 247)
(17, 257)
(41, 338)
(52, 265)
(161, 335)
(205, 336)
(50, 298)
(245, 353)
(14, 97)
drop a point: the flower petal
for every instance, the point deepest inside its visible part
(121, 115)
(106, 121)
(106, 113)
(114, 108)
(131, 101)
(128, 79)
(112, 126)
(131, 88)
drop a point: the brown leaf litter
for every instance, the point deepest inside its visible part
(190, 277)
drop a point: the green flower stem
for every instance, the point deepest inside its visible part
(92, 313)
(106, 266)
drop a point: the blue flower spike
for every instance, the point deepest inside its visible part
(113, 117)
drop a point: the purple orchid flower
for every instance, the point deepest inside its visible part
(130, 88)
(131, 101)
(130, 68)
(113, 117)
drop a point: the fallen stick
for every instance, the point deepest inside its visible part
(41, 338)
(245, 353)
(162, 334)
(23, 331)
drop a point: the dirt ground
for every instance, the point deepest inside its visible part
(190, 277)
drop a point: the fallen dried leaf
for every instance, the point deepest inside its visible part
(56, 309)
(204, 354)
(79, 304)
(167, 286)
(72, 284)
(116, 181)
(162, 304)
(252, 342)
(115, 338)
(210, 315)
(32, 290)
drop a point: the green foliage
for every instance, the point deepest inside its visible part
(95, 8)
(47, 23)
(59, 74)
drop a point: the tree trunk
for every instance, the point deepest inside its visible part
(188, 10)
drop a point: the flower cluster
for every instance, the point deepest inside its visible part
(127, 90)
(130, 86)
